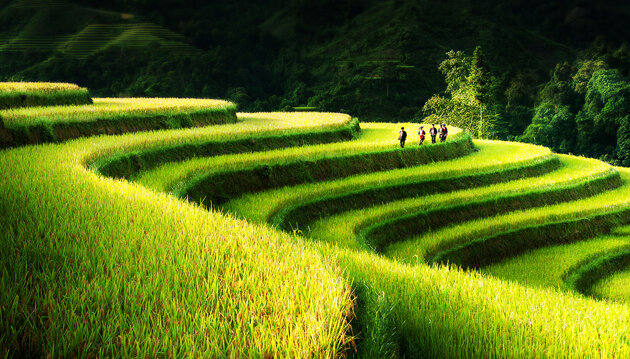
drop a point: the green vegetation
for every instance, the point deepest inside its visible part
(100, 266)
(375, 140)
(280, 131)
(34, 125)
(524, 229)
(377, 60)
(23, 94)
(95, 266)
(584, 278)
(614, 287)
(385, 291)
(323, 198)
(550, 266)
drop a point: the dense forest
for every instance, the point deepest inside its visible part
(553, 73)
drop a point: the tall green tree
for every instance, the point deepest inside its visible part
(606, 104)
(455, 69)
(461, 108)
(623, 141)
(480, 83)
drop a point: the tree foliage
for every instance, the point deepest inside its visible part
(552, 126)
(468, 85)
(479, 78)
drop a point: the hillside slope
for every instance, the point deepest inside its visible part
(375, 59)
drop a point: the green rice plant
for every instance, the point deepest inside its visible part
(128, 164)
(302, 214)
(519, 230)
(348, 228)
(585, 278)
(27, 94)
(273, 206)
(614, 287)
(93, 266)
(299, 164)
(550, 266)
(96, 266)
(456, 320)
(444, 312)
(380, 235)
(217, 188)
(111, 116)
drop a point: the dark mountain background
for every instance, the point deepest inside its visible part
(375, 59)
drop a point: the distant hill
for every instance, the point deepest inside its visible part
(374, 59)
(58, 26)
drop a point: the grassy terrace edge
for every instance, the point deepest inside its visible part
(42, 130)
(428, 311)
(30, 94)
(132, 272)
(128, 163)
(221, 186)
(434, 310)
(586, 277)
(300, 215)
(407, 226)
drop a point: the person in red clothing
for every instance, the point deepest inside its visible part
(443, 132)
(421, 134)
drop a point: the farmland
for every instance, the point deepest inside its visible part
(305, 235)
(32, 125)
(23, 94)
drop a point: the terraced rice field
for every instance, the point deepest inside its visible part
(42, 124)
(303, 235)
(24, 94)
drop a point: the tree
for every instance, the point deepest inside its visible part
(552, 126)
(461, 108)
(480, 83)
(455, 69)
(623, 141)
(605, 106)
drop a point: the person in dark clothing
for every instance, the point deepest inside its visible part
(421, 134)
(433, 132)
(443, 133)
(402, 137)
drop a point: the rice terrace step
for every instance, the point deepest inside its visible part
(179, 227)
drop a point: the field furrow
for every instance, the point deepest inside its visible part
(329, 241)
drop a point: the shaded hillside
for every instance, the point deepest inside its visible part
(374, 59)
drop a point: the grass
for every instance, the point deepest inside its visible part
(568, 184)
(50, 87)
(27, 94)
(431, 244)
(614, 287)
(344, 227)
(93, 266)
(96, 266)
(111, 116)
(441, 311)
(375, 139)
(549, 267)
(264, 206)
(103, 108)
(444, 312)
(287, 133)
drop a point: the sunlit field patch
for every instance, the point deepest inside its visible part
(616, 287)
(100, 266)
(25, 94)
(111, 108)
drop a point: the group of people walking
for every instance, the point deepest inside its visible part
(442, 132)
